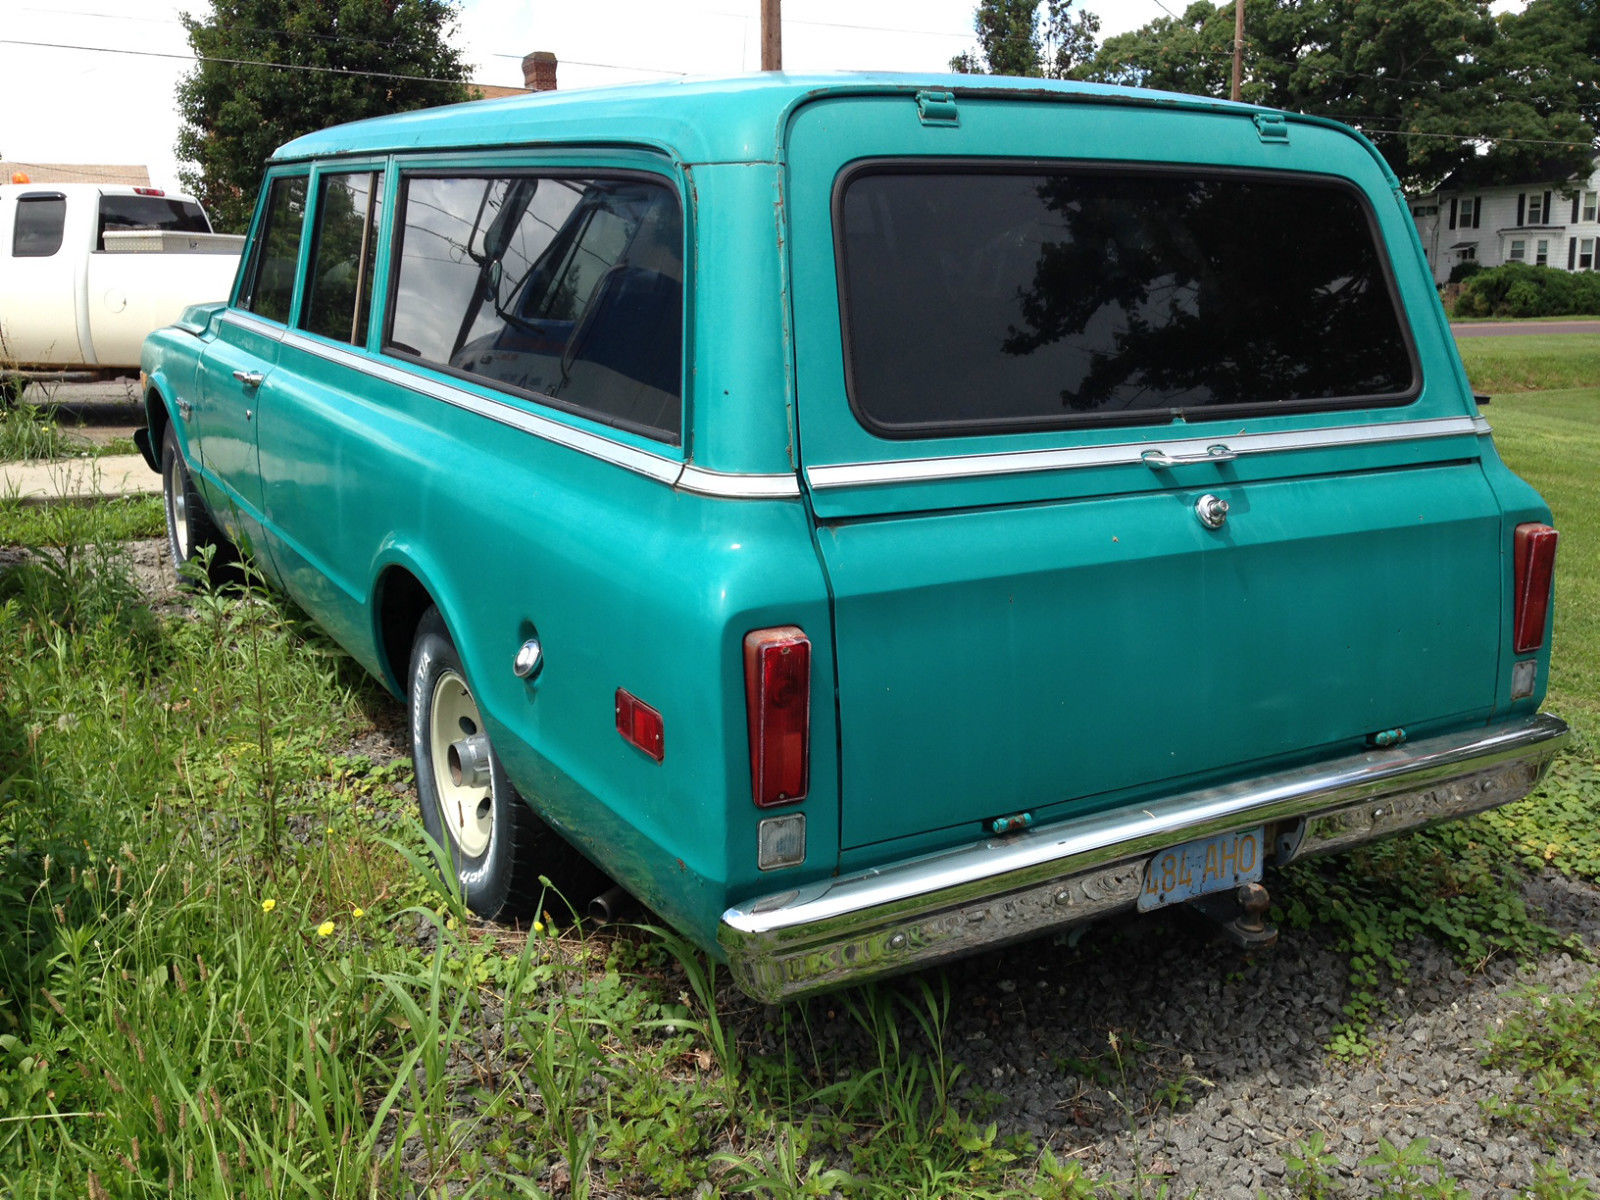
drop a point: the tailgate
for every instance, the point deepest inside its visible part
(1046, 657)
(1016, 474)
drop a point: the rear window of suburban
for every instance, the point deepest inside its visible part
(566, 289)
(1019, 296)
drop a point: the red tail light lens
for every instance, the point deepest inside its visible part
(1534, 549)
(640, 725)
(777, 688)
(144, 191)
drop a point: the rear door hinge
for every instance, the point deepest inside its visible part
(937, 108)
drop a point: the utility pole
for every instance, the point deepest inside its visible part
(771, 35)
(1238, 44)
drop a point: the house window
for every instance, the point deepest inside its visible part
(1541, 253)
(1536, 214)
(1467, 253)
(1586, 254)
(1589, 199)
(1468, 212)
(1519, 250)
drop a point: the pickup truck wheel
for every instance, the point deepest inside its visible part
(189, 526)
(493, 840)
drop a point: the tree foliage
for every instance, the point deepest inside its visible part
(1431, 82)
(1031, 38)
(336, 61)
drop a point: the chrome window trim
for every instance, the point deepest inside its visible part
(722, 485)
(1017, 462)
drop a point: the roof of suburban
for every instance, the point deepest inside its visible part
(739, 119)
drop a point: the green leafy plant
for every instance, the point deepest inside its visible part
(1554, 1045)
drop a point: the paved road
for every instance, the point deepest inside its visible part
(1524, 328)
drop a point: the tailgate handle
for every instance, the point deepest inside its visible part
(1160, 460)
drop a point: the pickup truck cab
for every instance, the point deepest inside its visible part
(875, 518)
(87, 271)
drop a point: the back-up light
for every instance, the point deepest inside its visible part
(1534, 549)
(777, 689)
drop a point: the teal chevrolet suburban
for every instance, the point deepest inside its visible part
(874, 518)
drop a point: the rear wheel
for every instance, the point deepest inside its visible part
(190, 529)
(493, 841)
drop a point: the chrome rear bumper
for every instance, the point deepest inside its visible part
(941, 906)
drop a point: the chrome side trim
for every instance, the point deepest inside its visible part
(935, 907)
(254, 324)
(737, 487)
(672, 472)
(640, 462)
(921, 470)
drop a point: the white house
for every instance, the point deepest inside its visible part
(1550, 227)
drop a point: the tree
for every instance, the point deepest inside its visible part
(271, 70)
(1438, 85)
(1014, 39)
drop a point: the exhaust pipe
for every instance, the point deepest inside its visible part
(609, 905)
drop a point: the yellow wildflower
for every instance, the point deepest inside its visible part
(358, 913)
(268, 905)
(538, 926)
(325, 929)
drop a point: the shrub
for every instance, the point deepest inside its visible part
(1464, 270)
(1521, 290)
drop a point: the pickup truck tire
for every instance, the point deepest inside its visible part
(190, 528)
(495, 842)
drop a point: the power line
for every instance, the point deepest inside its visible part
(236, 62)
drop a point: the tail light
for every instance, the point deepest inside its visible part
(148, 191)
(777, 689)
(1534, 549)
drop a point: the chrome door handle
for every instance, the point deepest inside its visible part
(249, 378)
(1160, 460)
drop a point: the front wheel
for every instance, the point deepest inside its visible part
(491, 838)
(190, 528)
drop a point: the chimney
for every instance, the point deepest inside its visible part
(539, 71)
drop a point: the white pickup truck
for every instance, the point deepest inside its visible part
(86, 271)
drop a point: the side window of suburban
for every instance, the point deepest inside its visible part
(1096, 294)
(269, 285)
(566, 289)
(41, 219)
(339, 288)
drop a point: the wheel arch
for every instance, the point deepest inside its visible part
(399, 600)
(157, 417)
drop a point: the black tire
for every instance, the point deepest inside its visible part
(496, 843)
(190, 528)
(12, 388)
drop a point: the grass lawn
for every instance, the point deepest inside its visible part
(1552, 439)
(1497, 365)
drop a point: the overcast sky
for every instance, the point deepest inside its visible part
(96, 81)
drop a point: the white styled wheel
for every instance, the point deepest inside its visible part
(466, 807)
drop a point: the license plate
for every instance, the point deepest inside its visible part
(1212, 864)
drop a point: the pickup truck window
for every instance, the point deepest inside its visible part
(41, 218)
(149, 212)
(569, 290)
(1013, 297)
(269, 283)
(339, 289)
